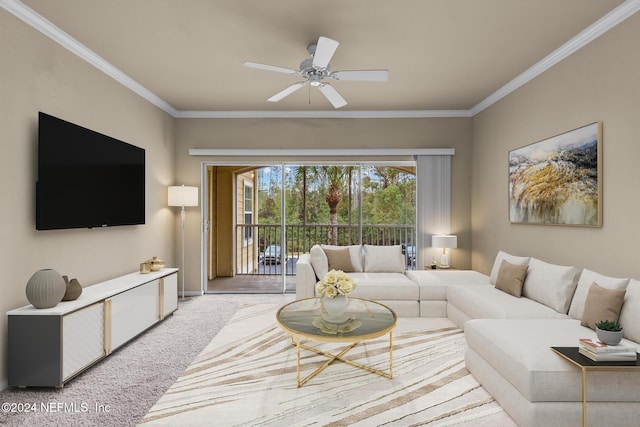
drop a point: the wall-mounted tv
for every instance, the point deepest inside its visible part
(86, 179)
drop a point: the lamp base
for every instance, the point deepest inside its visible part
(184, 299)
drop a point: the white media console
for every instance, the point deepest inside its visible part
(48, 347)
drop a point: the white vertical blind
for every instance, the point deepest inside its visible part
(433, 204)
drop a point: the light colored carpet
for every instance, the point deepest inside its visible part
(246, 377)
(134, 377)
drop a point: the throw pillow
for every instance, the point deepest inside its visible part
(319, 261)
(630, 313)
(355, 252)
(602, 304)
(498, 262)
(339, 259)
(550, 284)
(584, 283)
(383, 259)
(511, 278)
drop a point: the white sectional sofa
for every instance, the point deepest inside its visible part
(509, 337)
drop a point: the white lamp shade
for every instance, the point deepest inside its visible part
(444, 241)
(183, 196)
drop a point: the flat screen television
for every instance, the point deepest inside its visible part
(86, 179)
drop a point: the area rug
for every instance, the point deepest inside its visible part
(247, 377)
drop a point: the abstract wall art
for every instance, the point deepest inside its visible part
(558, 181)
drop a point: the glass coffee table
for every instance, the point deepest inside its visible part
(362, 320)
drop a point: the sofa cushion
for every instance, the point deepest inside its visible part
(319, 261)
(520, 351)
(434, 283)
(511, 278)
(487, 302)
(339, 259)
(384, 286)
(601, 304)
(498, 262)
(630, 312)
(587, 277)
(384, 259)
(355, 251)
(550, 284)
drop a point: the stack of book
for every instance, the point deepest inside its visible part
(600, 352)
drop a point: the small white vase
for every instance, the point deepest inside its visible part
(45, 288)
(336, 306)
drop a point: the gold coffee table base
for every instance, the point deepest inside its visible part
(333, 357)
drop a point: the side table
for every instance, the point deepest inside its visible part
(585, 364)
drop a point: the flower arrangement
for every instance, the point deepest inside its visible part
(335, 282)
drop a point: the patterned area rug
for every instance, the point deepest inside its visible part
(247, 377)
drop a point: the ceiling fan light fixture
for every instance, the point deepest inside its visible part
(314, 80)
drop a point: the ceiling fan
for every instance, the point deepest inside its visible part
(316, 68)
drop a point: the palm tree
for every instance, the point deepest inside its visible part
(333, 177)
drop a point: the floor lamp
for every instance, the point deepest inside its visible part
(183, 196)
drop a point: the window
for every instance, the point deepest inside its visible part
(248, 211)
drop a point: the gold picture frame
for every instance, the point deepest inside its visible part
(558, 181)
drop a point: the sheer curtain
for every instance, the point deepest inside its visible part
(433, 204)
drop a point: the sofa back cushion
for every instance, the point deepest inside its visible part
(339, 259)
(630, 312)
(319, 261)
(587, 277)
(550, 284)
(519, 260)
(384, 259)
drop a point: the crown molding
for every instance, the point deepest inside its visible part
(50, 30)
(46, 27)
(595, 30)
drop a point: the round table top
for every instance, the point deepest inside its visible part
(363, 319)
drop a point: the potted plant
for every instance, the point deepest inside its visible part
(609, 332)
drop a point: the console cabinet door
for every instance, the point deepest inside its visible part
(133, 311)
(170, 295)
(83, 339)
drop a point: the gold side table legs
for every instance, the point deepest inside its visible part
(297, 341)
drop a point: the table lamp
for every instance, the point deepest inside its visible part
(446, 242)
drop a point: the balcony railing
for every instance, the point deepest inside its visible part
(259, 246)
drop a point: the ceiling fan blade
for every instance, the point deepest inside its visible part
(288, 91)
(362, 75)
(269, 68)
(332, 95)
(325, 49)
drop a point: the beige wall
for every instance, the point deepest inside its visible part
(600, 82)
(36, 74)
(325, 133)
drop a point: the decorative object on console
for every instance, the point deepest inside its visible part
(558, 181)
(145, 268)
(155, 263)
(446, 242)
(73, 289)
(182, 196)
(333, 290)
(609, 332)
(45, 288)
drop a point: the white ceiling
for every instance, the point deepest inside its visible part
(445, 57)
